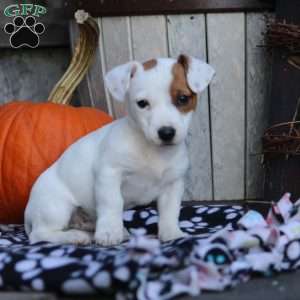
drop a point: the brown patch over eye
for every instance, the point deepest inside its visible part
(149, 64)
(182, 96)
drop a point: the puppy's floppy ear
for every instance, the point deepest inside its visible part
(199, 74)
(117, 80)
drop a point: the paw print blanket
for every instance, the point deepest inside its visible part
(225, 245)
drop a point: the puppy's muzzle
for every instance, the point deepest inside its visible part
(166, 134)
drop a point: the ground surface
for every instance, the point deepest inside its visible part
(282, 287)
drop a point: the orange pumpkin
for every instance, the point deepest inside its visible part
(32, 137)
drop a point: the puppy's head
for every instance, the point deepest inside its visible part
(161, 94)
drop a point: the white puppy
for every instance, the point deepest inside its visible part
(132, 161)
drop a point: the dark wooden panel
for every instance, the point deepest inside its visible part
(60, 11)
(282, 175)
(55, 35)
(56, 24)
(147, 7)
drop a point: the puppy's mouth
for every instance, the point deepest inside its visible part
(168, 144)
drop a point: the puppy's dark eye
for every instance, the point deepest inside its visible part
(182, 100)
(142, 103)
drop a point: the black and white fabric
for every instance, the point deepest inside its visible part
(225, 245)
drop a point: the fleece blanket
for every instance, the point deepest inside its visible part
(225, 245)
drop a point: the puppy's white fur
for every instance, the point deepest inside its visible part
(121, 165)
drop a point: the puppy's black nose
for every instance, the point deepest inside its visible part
(166, 134)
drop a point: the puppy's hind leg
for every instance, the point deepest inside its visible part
(71, 236)
(51, 223)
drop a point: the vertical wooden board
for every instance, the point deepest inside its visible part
(186, 34)
(95, 78)
(117, 48)
(91, 89)
(149, 37)
(258, 74)
(226, 53)
(82, 89)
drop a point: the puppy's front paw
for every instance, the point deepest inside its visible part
(82, 238)
(170, 234)
(126, 234)
(109, 236)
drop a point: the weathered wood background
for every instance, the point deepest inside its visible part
(224, 140)
(31, 74)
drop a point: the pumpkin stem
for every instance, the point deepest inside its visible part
(85, 49)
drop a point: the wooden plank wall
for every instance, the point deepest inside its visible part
(224, 139)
